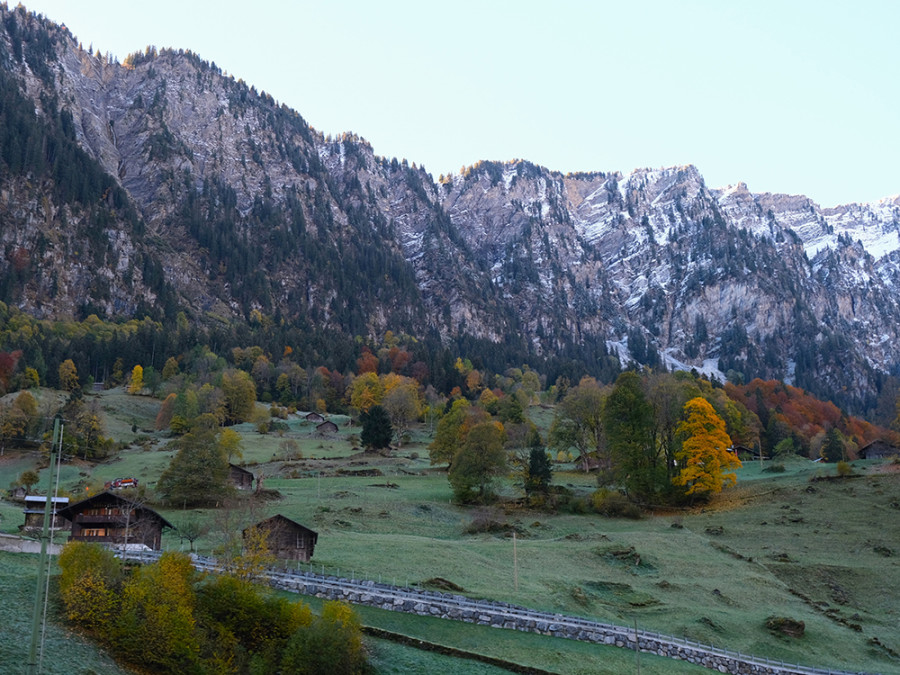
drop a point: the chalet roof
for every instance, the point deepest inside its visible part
(880, 441)
(41, 499)
(279, 520)
(104, 498)
(240, 469)
(326, 425)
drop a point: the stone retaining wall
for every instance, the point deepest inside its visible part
(501, 615)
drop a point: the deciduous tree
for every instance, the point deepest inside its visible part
(403, 407)
(579, 423)
(478, 462)
(68, 376)
(137, 380)
(704, 457)
(198, 473)
(239, 394)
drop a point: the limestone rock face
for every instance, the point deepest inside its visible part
(241, 206)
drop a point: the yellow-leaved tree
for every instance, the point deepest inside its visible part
(704, 459)
(137, 380)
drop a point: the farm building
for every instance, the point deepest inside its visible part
(286, 539)
(878, 450)
(35, 507)
(108, 518)
(240, 477)
(326, 428)
(314, 417)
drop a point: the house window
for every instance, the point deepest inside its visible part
(94, 532)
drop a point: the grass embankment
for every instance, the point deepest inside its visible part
(65, 652)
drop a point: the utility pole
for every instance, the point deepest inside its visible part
(515, 563)
(42, 565)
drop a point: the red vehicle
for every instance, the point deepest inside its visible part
(121, 483)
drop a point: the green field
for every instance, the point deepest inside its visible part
(826, 552)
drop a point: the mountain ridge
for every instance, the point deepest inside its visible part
(245, 208)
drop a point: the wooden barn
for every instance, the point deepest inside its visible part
(35, 507)
(314, 417)
(326, 428)
(240, 477)
(286, 539)
(111, 519)
(878, 450)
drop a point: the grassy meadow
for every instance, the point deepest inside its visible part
(797, 544)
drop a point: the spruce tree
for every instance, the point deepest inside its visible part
(376, 428)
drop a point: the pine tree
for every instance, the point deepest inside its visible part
(376, 428)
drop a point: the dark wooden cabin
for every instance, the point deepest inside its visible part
(240, 477)
(286, 539)
(314, 417)
(326, 428)
(111, 519)
(35, 507)
(878, 450)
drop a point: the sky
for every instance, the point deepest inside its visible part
(787, 96)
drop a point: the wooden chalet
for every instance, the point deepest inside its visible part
(35, 506)
(111, 519)
(326, 428)
(286, 539)
(878, 450)
(314, 417)
(240, 477)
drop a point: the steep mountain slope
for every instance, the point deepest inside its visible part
(161, 184)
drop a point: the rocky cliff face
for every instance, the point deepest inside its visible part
(237, 205)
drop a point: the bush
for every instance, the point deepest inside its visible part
(614, 504)
(844, 469)
(332, 644)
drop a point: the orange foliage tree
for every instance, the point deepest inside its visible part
(704, 457)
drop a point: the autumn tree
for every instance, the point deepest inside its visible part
(137, 380)
(579, 423)
(331, 644)
(170, 369)
(452, 430)
(166, 412)
(366, 390)
(28, 478)
(231, 444)
(18, 421)
(239, 394)
(157, 627)
(704, 456)
(89, 580)
(68, 376)
(478, 462)
(403, 407)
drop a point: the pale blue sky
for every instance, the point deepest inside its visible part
(795, 97)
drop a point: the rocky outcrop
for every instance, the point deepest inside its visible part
(241, 206)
